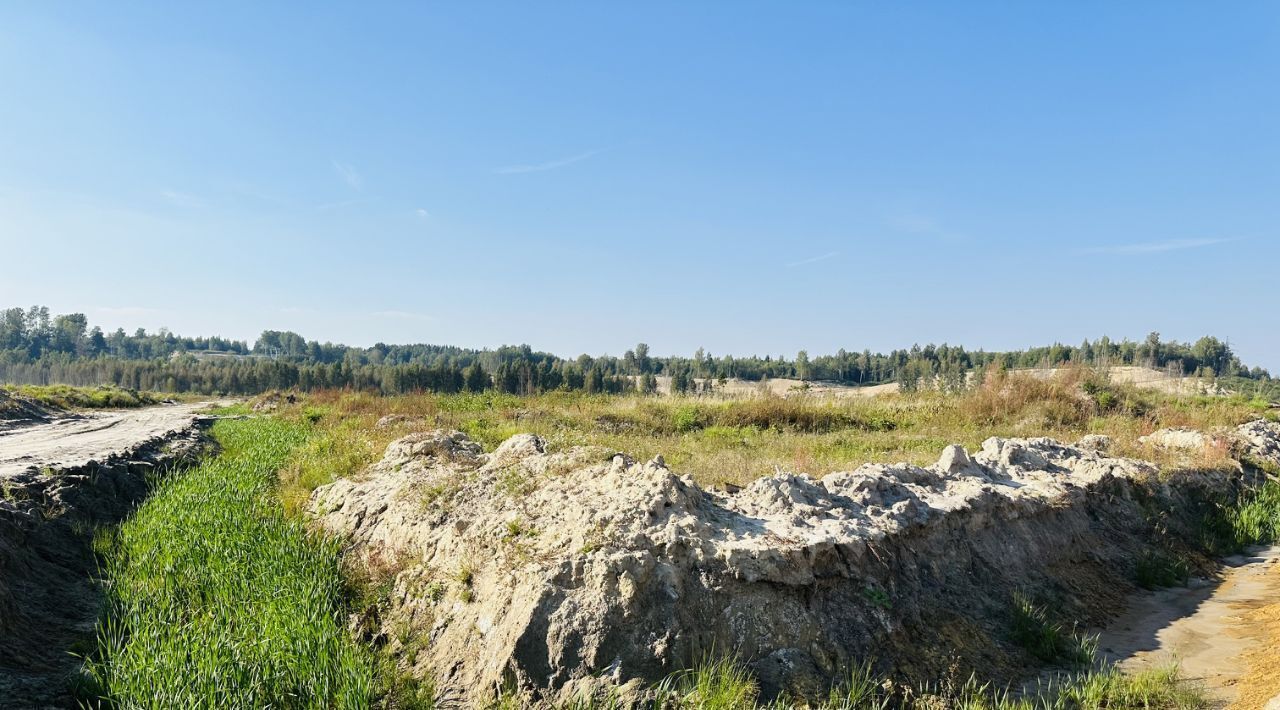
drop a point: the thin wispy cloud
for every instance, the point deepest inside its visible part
(921, 225)
(402, 315)
(254, 192)
(541, 167)
(1155, 247)
(343, 203)
(127, 310)
(813, 260)
(422, 214)
(349, 175)
(181, 199)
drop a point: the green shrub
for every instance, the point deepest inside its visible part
(861, 690)
(103, 397)
(1160, 688)
(1106, 401)
(686, 419)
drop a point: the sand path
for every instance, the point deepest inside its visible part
(74, 441)
(1225, 634)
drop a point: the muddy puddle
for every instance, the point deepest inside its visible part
(1224, 633)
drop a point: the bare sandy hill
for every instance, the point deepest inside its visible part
(1143, 377)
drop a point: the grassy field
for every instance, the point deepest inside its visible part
(736, 441)
(218, 599)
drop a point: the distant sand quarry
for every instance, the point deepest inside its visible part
(1144, 377)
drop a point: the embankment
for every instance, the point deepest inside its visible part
(560, 574)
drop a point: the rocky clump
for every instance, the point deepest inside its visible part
(556, 572)
(1260, 443)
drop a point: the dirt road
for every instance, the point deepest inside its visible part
(74, 441)
(1224, 634)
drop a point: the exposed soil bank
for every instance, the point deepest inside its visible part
(1224, 633)
(61, 482)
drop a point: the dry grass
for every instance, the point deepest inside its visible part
(736, 441)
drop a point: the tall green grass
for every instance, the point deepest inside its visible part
(218, 599)
(1256, 520)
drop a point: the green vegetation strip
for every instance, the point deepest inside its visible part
(217, 599)
(66, 397)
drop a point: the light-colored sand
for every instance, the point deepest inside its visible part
(1143, 377)
(1224, 634)
(74, 441)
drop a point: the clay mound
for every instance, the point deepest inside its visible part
(557, 572)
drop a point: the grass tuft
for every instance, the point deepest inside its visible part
(713, 684)
(1158, 569)
(1048, 641)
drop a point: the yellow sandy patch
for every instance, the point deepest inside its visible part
(1261, 683)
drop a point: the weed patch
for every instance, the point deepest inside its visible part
(1047, 640)
(1157, 569)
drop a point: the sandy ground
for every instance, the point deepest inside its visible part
(1224, 634)
(74, 441)
(1143, 377)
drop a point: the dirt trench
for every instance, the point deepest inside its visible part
(63, 480)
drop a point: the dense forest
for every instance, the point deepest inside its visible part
(39, 348)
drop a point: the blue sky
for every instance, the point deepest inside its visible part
(745, 177)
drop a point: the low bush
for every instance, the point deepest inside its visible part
(1160, 688)
(714, 684)
(1256, 520)
(725, 684)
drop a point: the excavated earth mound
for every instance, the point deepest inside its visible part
(560, 574)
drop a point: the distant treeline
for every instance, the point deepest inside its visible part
(37, 348)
